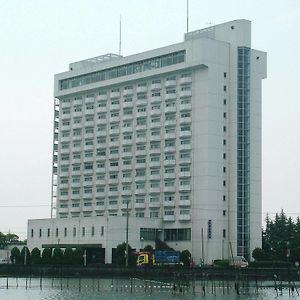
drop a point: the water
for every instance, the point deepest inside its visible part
(92, 289)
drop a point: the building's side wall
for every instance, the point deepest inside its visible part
(108, 231)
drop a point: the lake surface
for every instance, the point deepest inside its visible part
(115, 289)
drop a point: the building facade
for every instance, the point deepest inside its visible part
(171, 137)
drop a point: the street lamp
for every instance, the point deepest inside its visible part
(127, 221)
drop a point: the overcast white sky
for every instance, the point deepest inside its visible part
(40, 38)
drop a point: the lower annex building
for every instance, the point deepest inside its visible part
(172, 136)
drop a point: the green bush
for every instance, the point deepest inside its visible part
(35, 256)
(15, 255)
(47, 256)
(25, 251)
(221, 263)
(185, 258)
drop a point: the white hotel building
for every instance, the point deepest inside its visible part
(175, 132)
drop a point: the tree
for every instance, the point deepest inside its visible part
(57, 256)
(3, 241)
(185, 257)
(281, 236)
(148, 248)
(121, 255)
(78, 256)
(15, 255)
(47, 256)
(260, 254)
(25, 256)
(68, 256)
(35, 256)
(12, 238)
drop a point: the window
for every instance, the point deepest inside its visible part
(224, 155)
(154, 214)
(140, 173)
(148, 234)
(32, 233)
(224, 88)
(224, 142)
(184, 197)
(224, 233)
(224, 182)
(140, 215)
(48, 232)
(169, 213)
(40, 233)
(224, 212)
(154, 199)
(65, 231)
(155, 184)
(185, 169)
(140, 160)
(113, 188)
(93, 230)
(141, 147)
(141, 109)
(184, 212)
(224, 101)
(126, 187)
(127, 137)
(83, 231)
(155, 158)
(141, 122)
(126, 162)
(224, 169)
(56, 232)
(225, 74)
(102, 230)
(169, 170)
(74, 231)
(169, 198)
(139, 200)
(224, 115)
(209, 229)
(140, 185)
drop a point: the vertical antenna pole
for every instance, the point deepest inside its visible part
(120, 35)
(187, 15)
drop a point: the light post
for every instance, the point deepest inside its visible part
(127, 221)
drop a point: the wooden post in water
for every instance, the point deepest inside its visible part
(41, 282)
(7, 282)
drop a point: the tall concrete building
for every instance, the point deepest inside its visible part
(171, 137)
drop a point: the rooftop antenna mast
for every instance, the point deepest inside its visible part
(187, 15)
(120, 37)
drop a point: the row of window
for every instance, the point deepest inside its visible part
(126, 174)
(64, 233)
(100, 201)
(124, 70)
(169, 95)
(127, 187)
(126, 123)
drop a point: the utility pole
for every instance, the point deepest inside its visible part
(187, 15)
(202, 244)
(127, 221)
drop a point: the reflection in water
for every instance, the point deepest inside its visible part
(115, 289)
